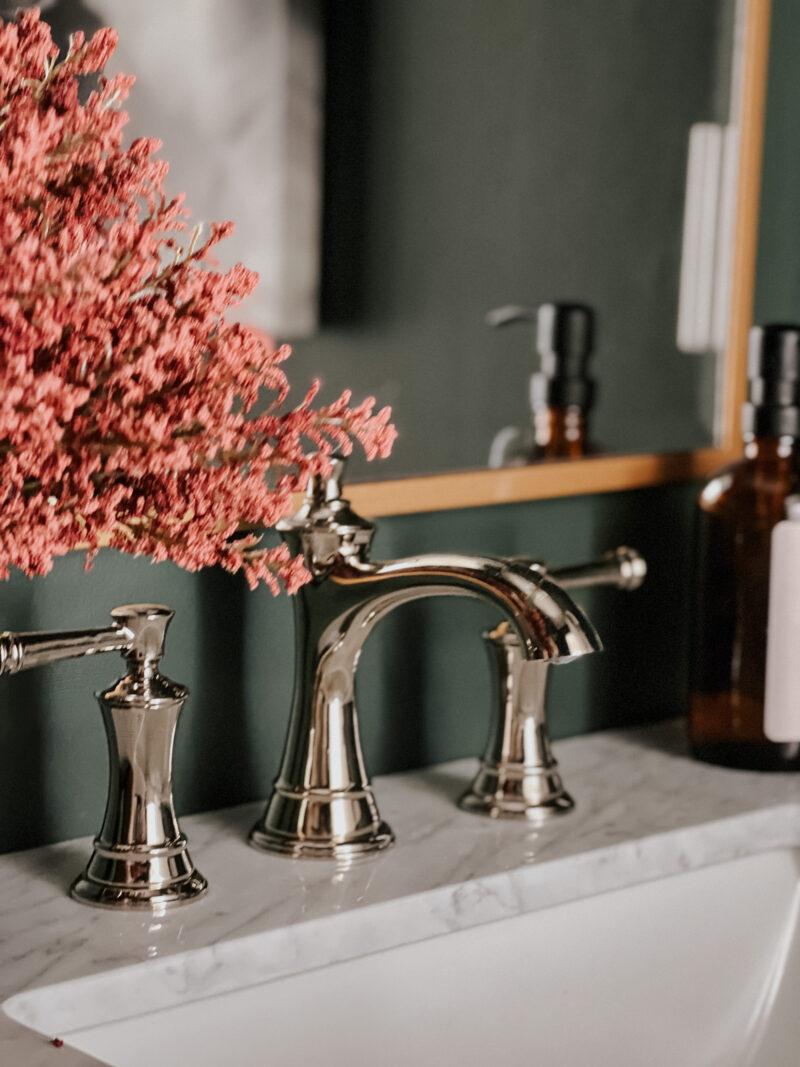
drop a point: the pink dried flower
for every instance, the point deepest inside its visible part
(126, 396)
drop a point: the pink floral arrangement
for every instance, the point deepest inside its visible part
(132, 412)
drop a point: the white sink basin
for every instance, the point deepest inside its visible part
(700, 969)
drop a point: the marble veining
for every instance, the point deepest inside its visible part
(644, 810)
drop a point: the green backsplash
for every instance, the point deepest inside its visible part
(422, 683)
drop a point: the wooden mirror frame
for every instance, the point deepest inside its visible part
(602, 474)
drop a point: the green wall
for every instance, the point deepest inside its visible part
(423, 689)
(778, 278)
(423, 685)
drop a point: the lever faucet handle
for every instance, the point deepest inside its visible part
(22, 651)
(140, 858)
(623, 567)
(326, 526)
(334, 483)
(147, 624)
(322, 490)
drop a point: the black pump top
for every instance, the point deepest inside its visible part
(773, 394)
(564, 339)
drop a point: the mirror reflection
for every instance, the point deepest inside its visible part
(561, 392)
(523, 153)
(438, 161)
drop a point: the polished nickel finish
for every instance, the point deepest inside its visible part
(21, 651)
(518, 775)
(622, 567)
(140, 858)
(322, 804)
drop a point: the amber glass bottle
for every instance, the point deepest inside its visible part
(560, 433)
(738, 509)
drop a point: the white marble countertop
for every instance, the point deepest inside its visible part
(644, 810)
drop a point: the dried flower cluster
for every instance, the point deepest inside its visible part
(127, 400)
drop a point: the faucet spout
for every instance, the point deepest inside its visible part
(322, 803)
(550, 625)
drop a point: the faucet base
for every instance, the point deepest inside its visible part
(283, 845)
(139, 878)
(516, 791)
(322, 824)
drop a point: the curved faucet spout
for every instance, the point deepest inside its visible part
(322, 803)
(550, 625)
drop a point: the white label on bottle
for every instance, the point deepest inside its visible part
(782, 694)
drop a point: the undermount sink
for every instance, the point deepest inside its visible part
(698, 969)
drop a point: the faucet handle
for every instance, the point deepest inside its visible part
(140, 858)
(335, 480)
(326, 525)
(324, 503)
(147, 624)
(623, 567)
(323, 491)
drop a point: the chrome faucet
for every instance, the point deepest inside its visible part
(322, 803)
(519, 775)
(140, 859)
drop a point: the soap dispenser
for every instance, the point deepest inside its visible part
(738, 510)
(561, 393)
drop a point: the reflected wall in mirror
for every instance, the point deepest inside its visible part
(479, 155)
(521, 152)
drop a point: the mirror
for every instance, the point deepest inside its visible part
(522, 152)
(479, 155)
